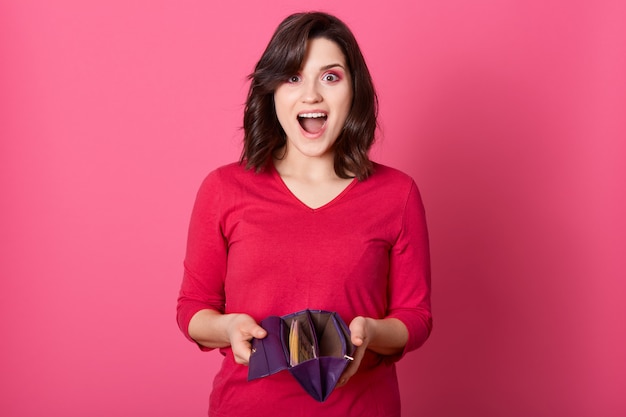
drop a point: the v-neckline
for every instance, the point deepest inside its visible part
(329, 203)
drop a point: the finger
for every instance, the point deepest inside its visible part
(242, 352)
(357, 331)
(347, 374)
(248, 328)
(243, 349)
(352, 368)
(357, 340)
(258, 332)
(241, 359)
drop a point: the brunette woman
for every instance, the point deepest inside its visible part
(306, 220)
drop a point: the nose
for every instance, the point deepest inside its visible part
(311, 93)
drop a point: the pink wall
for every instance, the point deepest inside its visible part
(509, 114)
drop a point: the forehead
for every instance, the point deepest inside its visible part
(322, 52)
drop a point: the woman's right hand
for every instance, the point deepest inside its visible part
(241, 329)
(212, 329)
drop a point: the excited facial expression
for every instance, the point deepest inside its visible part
(312, 105)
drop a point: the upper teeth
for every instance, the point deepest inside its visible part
(311, 115)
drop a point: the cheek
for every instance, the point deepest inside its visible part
(283, 102)
(346, 106)
(286, 123)
(280, 108)
(282, 120)
(345, 100)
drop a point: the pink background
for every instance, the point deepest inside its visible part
(510, 115)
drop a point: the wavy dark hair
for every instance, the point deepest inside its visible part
(283, 57)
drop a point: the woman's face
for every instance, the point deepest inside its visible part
(312, 106)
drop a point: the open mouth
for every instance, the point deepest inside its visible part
(312, 122)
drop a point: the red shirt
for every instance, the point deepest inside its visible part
(254, 248)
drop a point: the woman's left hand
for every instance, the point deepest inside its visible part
(384, 336)
(362, 332)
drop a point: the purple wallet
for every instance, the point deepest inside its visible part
(323, 343)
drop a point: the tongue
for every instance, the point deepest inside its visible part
(312, 125)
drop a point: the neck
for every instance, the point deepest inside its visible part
(301, 167)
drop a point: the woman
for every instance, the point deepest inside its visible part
(306, 220)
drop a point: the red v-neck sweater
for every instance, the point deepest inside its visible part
(254, 248)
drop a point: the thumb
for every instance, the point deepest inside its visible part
(258, 332)
(357, 331)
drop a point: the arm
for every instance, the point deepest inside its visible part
(408, 322)
(409, 275)
(202, 300)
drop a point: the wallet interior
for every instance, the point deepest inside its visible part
(330, 336)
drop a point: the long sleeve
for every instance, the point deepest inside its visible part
(205, 259)
(409, 273)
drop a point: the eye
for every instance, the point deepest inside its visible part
(293, 79)
(330, 77)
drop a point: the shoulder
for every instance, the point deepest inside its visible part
(219, 178)
(232, 170)
(390, 173)
(392, 184)
(231, 173)
(386, 177)
(234, 178)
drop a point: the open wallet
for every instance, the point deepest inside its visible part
(313, 345)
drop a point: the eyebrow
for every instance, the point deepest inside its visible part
(327, 67)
